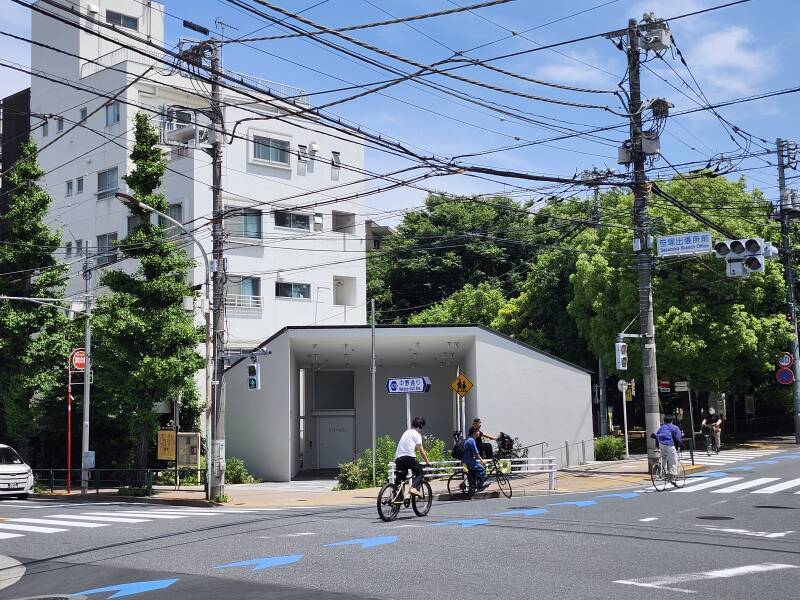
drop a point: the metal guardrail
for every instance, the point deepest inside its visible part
(241, 301)
(573, 454)
(517, 466)
(116, 479)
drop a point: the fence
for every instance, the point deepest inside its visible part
(517, 467)
(141, 481)
(577, 453)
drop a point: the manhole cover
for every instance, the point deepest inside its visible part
(781, 507)
(713, 518)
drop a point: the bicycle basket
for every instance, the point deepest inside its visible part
(505, 442)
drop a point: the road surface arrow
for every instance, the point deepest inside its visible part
(462, 522)
(578, 503)
(624, 495)
(130, 589)
(366, 542)
(263, 563)
(527, 512)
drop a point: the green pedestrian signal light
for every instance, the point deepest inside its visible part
(254, 377)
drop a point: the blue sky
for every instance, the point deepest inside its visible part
(733, 52)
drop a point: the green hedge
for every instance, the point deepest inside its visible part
(609, 448)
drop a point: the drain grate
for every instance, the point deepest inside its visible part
(715, 518)
(781, 507)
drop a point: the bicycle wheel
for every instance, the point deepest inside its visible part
(422, 504)
(680, 475)
(504, 483)
(387, 510)
(658, 477)
(457, 485)
(708, 445)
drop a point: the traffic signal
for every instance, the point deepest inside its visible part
(254, 376)
(744, 256)
(621, 350)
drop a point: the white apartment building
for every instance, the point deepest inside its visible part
(289, 262)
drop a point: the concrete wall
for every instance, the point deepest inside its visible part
(531, 396)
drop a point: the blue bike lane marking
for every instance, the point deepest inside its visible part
(129, 589)
(526, 512)
(578, 503)
(623, 495)
(263, 563)
(366, 542)
(462, 522)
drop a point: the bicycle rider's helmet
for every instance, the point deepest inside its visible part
(418, 422)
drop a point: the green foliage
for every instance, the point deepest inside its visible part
(358, 473)
(236, 471)
(451, 243)
(609, 448)
(145, 346)
(471, 304)
(34, 339)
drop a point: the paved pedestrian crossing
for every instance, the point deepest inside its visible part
(55, 523)
(732, 485)
(727, 457)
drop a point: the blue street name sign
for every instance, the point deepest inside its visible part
(408, 385)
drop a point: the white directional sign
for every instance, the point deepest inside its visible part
(408, 385)
(683, 244)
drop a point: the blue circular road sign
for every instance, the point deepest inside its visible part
(784, 376)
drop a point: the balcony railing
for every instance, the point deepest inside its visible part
(244, 302)
(115, 57)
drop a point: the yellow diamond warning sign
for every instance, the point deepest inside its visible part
(461, 385)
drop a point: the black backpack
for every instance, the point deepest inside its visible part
(458, 450)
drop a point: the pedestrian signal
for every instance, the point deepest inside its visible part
(621, 350)
(254, 376)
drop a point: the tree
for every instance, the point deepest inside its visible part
(146, 343)
(471, 304)
(452, 242)
(34, 339)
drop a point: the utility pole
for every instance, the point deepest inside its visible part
(217, 484)
(787, 210)
(87, 372)
(641, 244)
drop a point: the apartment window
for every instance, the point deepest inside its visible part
(135, 221)
(270, 150)
(344, 291)
(112, 114)
(245, 223)
(292, 220)
(60, 123)
(318, 222)
(45, 128)
(68, 246)
(69, 188)
(79, 185)
(106, 248)
(84, 114)
(336, 165)
(301, 291)
(176, 212)
(344, 222)
(78, 247)
(245, 286)
(115, 18)
(107, 183)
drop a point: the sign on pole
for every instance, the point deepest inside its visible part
(408, 385)
(189, 450)
(786, 360)
(77, 359)
(681, 386)
(785, 376)
(684, 244)
(166, 444)
(664, 385)
(461, 385)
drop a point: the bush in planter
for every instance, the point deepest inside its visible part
(236, 472)
(609, 448)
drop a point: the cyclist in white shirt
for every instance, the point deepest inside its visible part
(405, 457)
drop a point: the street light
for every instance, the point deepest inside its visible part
(129, 200)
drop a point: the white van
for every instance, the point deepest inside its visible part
(16, 478)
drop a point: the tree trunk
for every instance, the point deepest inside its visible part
(142, 450)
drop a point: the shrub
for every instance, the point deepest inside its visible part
(609, 448)
(236, 472)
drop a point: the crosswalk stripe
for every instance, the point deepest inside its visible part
(707, 484)
(143, 515)
(57, 522)
(745, 485)
(99, 518)
(29, 528)
(185, 514)
(6, 536)
(779, 487)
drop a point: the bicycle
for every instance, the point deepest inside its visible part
(711, 441)
(392, 497)
(461, 483)
(660, 476)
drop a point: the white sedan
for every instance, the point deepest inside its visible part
(16, 477)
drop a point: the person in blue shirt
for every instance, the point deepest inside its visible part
(474, 461)
(669, 440)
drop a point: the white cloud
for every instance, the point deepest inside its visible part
(576, 69)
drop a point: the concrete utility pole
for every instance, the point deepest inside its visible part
(87, 373)
(217, 483)
(787, 210)
(641, 245)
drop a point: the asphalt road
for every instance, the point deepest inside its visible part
(733, 533)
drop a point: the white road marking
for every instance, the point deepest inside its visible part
(707, 484)
(761, 534)
(667, 581)
(57, 522)
(143, 515)
(11, 571)
(29, 528)
(6, 536)
(745, 485)
(99, 518)
(779, 487)
(648, 519)
(177, 512)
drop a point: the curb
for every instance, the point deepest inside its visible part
(127, 499)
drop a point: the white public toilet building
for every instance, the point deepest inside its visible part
(314, 406)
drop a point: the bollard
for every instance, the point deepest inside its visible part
(52, 482)
(583, 450)
(566, 451)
